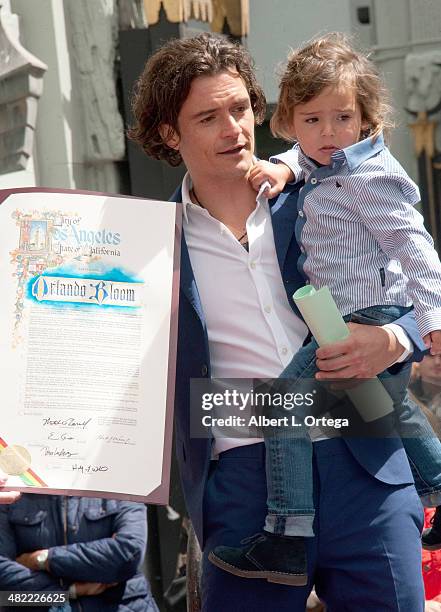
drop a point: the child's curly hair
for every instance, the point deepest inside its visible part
(330, 60)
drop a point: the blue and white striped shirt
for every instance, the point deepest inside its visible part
(360, 234)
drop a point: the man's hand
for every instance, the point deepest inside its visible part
(29, 560)
(276, 174)
(366, 352)
(91, 588)
(433, 341)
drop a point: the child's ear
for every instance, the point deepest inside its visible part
(291, 132)
(169, 136)
(365, 128)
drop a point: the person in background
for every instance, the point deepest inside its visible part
(426, 382)
(426, 387)
(93, 548)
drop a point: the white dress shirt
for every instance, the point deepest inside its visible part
(252, 330)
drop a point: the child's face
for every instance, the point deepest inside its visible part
(328, 122)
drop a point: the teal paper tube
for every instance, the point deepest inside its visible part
(326, 324)
(321, 314)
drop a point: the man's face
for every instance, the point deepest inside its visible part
(216, 128)
(328, 122)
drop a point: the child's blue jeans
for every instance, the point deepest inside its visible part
(289, 453)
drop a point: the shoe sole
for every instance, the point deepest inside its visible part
(275, 577)
(426, 546)
(431, 546)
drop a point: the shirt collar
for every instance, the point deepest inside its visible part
(187, 186)
(186, 200)
(359, 152)
(353, 156)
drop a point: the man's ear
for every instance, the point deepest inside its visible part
(169, 136)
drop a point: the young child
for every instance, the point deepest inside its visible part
(360, 235)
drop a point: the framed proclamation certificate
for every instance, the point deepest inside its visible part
(88, 311)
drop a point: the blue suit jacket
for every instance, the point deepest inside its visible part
(384, 459)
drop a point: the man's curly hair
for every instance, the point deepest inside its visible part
(165, 84)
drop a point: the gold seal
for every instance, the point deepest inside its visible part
(15, 460)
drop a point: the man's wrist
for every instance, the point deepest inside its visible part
(41, 559)
(404, 342)
(73, 591)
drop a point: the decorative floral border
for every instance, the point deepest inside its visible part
(28, 261)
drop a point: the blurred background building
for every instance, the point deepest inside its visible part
(67, 68)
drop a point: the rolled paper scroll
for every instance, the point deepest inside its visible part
(326, 324)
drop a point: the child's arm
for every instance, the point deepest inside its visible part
(281, 169)
(276, 174)
(385, 204)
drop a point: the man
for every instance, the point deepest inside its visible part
(197, 101)
(95, 547)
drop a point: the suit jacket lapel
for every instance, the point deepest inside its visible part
(188, 283)
(283, 216)
(187, 280)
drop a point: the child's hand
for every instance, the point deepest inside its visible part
(433, 340)
(276, 174)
